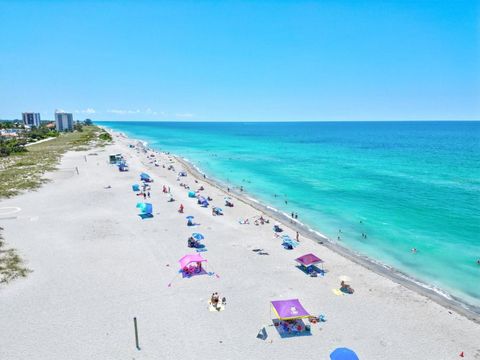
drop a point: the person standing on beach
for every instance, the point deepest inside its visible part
(293, 215)
(296, 216)
(144, 196)
(297, 237)
(148, 194)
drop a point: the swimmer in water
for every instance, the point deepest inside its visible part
(414, 250)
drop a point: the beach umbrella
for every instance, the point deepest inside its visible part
(344, 278)
(218, 209)
(343, 354)
(144, 176)
(227, 198)
(189, 217)
(198, 236)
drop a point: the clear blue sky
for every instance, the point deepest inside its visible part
(241, 60)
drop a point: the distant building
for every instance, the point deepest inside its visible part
(31, 119)
(63, 121)
(10, 133)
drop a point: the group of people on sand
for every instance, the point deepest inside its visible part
(215, 300)
(193, 269)
(261, 221)
(185, 186)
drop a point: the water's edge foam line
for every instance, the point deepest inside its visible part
(439, 296)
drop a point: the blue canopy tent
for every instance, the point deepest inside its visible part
(191, 194)
(145, 177)
(343, 354)
(136, 187)
(146, 210)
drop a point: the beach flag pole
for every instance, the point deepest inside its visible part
(136, 333)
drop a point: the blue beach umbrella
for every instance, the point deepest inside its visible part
(189, 217)
(343, 354)
(144, 176)
(198, 236)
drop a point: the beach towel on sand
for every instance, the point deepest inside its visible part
(337, 292)
(212, 308)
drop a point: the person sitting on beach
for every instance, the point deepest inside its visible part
(344, 287)
(214, 300)
(201, 188)
(224, 301)
(209, 198)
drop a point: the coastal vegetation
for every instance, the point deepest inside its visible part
(23, 170)
(11, 264)
(20, 136)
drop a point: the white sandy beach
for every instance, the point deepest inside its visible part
(96, 265)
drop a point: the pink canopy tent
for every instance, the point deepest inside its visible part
(308, 260)
(289, 309)
(188, 259)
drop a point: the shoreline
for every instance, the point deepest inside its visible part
(439, 296)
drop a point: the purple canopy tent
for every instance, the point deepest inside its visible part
(289, 309)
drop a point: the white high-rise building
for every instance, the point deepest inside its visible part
(63, 121)
(31, 119)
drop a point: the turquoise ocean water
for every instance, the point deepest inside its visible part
(404, 184)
